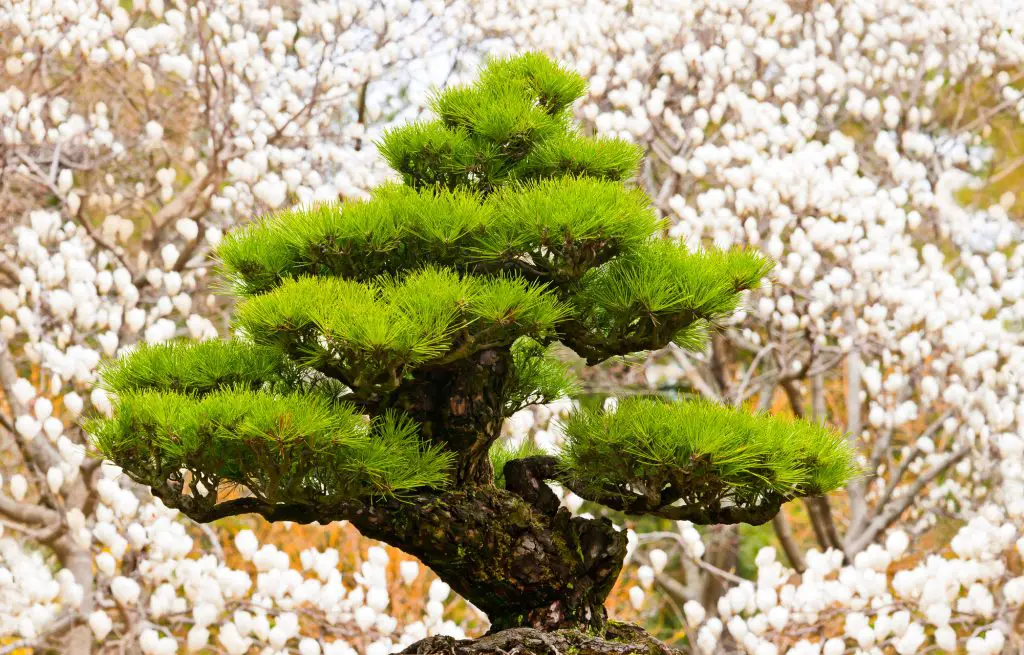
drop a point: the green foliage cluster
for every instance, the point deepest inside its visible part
(662, 292)
(281, 447)
(700, 453)
(196, 368)
(513, 124)
(537, 377)
(373, 335)
(556, 229)
(397, 229)
(559, 229)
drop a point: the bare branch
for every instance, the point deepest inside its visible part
(785, 535)
(892, 511)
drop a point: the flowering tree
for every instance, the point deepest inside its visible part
(770, 123)
(131, 137)
(838, 137)
(380, 345)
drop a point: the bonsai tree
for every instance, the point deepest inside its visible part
(379, 345)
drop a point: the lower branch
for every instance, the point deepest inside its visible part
(530, 470)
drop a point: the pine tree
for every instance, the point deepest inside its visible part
(380, 345)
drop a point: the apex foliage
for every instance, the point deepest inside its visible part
(381, 343)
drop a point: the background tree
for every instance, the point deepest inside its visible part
(733, 102)
(132, 135)
(381, 344)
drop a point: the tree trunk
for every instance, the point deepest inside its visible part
(521, 565)
(722, 552)
(78, 640)
(464, 411)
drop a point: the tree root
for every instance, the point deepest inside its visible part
(619, 639)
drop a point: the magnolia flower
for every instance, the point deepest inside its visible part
(636, 597)
(19, 487)
(125, 590)
(694, 612)
(659, 559)
(309, 646)
(409, 570)
(100, 624)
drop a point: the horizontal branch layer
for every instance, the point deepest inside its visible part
(373, 336)
(657, 294)
(698, 461)
(281, 447)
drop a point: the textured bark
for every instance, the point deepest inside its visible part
(620, 639)
(461, 406)
(523, 561)
(520, 565)
(515, 553)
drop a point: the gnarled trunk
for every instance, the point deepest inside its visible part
(463, 410)
(522, 566)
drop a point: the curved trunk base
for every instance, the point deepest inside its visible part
(525, 567)
(619, 639)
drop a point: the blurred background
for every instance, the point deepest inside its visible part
(875, 148)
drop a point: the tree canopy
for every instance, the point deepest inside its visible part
(380, 344)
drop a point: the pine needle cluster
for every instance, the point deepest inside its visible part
(661, 292)
(196, 368)
(372, 336)
(698, 453)
(280, 447)
(513, 124)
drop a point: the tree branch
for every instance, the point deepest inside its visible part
(547, 467)
(892, 512)
(692, 375)
(28, 513)
(785, 535)
(855, 490)
(525, 477)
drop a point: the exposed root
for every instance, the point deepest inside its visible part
(620, 639)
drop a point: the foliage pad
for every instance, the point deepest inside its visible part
(698, 453)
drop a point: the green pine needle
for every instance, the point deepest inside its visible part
(709, 453)
(571, 154)
(374, 334)
(662, 292)
(549, 85)
(282, 447)
(398, 229)
(537, 377)
(430, 154)
(565, 226)
(195, 368)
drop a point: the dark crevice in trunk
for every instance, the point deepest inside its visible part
(463, 409)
